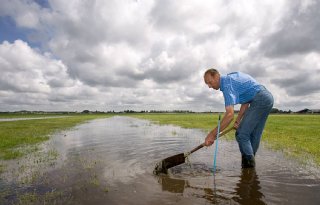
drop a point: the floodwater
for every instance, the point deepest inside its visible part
(110, 161)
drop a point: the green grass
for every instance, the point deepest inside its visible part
(15, 135)
(296, 135)
(22, 115)
(201, 121)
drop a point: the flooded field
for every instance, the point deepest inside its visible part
(110, 161)
(28, 118)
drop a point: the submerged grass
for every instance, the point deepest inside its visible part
(2, 168)
(15, 135)
(52, 197)
(295, 135)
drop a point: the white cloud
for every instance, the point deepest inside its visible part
(21, 68)
(29, 77)
(152, 54)
(26, 13)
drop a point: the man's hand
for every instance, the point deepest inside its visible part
(210, 139)
(236, 124)
(243, 109)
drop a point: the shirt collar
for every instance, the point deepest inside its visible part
(222, 82)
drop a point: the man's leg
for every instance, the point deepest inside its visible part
(250, 130)
(243, 133)
(266, 107)
(255, 136)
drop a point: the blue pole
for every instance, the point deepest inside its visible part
(216, 149)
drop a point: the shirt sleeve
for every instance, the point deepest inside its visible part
(229, 97)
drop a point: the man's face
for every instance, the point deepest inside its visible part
(212, 81)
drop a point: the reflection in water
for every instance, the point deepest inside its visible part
(173, 185)
(248, 188)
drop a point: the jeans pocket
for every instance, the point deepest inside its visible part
(263, 99)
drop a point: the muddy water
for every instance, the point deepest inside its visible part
(110, 161)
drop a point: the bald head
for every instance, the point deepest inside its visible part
(211, 71)
(212, 78)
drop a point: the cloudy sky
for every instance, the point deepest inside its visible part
(151, 54)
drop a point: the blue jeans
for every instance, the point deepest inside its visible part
(250, 130)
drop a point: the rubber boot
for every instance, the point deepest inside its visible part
(248, 161)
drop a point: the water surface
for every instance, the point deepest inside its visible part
(110, 161)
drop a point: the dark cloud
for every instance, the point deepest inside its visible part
(7, 86)
(161, 77)
(253, 68)
(206, 100)
(302, 84)
(165, 15)
(29, 99)
(56, 83)
(177, 73)
(299, 32)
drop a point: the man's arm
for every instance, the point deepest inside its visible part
(226, 120)
(243, 108)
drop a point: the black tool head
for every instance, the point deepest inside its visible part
(164, 165)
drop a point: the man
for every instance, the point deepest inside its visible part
(256, 103)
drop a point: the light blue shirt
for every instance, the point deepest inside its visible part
(238, 88)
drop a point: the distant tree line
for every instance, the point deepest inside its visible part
(274, 110)
(158, 111)
(309, 111)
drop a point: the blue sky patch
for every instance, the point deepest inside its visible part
(10, 32)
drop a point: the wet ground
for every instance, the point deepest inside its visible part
(110, 161)
(28, 118)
